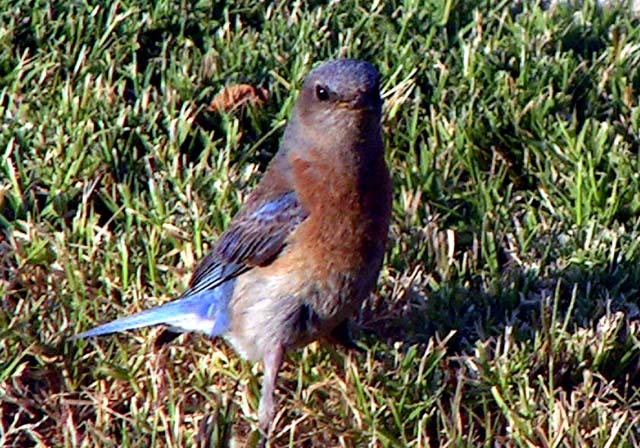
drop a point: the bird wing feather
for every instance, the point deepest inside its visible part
(254, 238)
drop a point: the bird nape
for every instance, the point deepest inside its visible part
(306, 248)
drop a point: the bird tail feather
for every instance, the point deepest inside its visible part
(206, 312)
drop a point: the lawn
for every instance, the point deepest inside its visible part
(508, 309)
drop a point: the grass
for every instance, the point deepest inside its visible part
(507, 313)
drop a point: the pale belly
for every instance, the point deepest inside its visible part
(271, 311)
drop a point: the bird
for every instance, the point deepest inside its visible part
(306, 248)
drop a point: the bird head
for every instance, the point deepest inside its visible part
(343, 94)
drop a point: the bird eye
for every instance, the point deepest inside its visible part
(322, 93)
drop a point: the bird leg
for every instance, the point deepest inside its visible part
(341, 335)
(267, 408)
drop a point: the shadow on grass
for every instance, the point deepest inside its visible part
(570, 324)
(528, 302)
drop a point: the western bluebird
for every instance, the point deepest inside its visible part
(306, 248)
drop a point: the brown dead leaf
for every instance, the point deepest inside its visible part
(232, 97)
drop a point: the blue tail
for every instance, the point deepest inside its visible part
(206, 312)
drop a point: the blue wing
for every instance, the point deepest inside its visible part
(254, 238)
